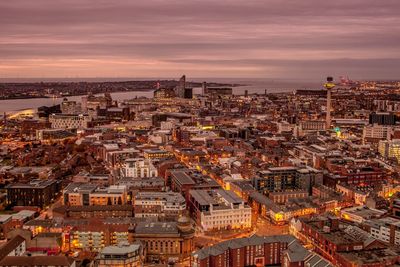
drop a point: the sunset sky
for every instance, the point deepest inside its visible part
(268, 39)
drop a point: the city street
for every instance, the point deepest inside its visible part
(262, 228)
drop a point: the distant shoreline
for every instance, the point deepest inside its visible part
(71, 95)
(46, 90)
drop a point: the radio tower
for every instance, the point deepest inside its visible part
(329, 85)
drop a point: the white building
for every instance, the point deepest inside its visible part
(138, 168)
(375, 131)
(385, 229)
(69, 121)
(220, 209)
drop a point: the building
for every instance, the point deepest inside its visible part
(218, 91)
(284, 197)
(14, 247)
(242, 188)
(375, 132)
(33, 261)
(183, 181)
(311, 126)
(53, 134)
(356, 176)
(92, 235)
(100, 212)
(116, 157)
(143, 184)
(180, 88)
(162, 205)
(9, 222)
(385, 229)
(37, 226)
(286, 178)
(360, 214)
(46, 244)
(164, 241)
(123, 254)
(38, 193)
(6, 224)
(92, 102)
(382, 118)
(138, 168)
(118, 114)
(157, 154)
(280, 214)
(395, 206)
(78, 194)
(343, 244)
(390, 149)
(219, 209)
(162, 93)
(70, 107)
(69, 121)
(278, 250)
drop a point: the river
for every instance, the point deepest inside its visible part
(252, 86)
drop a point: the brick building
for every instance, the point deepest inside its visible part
(38, 193)
(283, 250)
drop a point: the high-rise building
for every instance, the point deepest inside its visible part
(180, 89)
(204, 88)
(382, 118)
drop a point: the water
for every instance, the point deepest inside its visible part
(260, 85)
(10, 106)
(251, 85)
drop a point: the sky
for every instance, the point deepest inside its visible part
(296, 39)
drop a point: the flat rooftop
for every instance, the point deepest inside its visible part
(156, 228)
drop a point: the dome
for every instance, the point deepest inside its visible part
(183, 220)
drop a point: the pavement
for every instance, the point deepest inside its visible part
(263, 228)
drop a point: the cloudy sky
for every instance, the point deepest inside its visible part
(303, 39)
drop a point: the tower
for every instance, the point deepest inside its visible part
(329, 85)
(180, 89)
(204, 88)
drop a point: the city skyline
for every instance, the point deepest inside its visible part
(251, 39)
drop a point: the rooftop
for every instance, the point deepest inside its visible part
(120, 249)
(156, 228)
